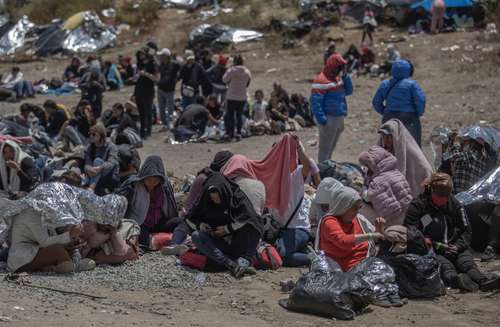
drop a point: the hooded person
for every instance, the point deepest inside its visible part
(401, 98)
(443, 221)
(151, 201)
(344, 235)
(227, 229)
(386, 187)
(42, 224)
(18, 172)
(321, 202)
(329, 105)
(411, 161)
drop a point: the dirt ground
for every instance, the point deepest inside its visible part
(462, 88)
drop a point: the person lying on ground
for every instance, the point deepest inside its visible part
(412, 163)
(193, 121)
(18, 172)
(77, 129)
(73, 73)
(101, 162)
(151, 201)
(444, 223)
(401, 98)
(343, 234)
(225, 226)
(386, 190)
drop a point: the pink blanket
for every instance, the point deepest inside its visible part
(274, 171)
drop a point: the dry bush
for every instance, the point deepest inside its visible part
(145, 15)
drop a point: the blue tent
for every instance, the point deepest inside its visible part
(427, 4)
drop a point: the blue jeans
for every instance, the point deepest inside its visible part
(292, 247)
(410, 120)
(166, 106)
(24, 88)
(186, 101)
(95, 179)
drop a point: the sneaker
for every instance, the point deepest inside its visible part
(241, 268)
(395, 300)
(177, 250)
(466, 284)
(85, 265)
(490, 284)
(65, 267)
(237, 137)
(489, 254)
(382, 301)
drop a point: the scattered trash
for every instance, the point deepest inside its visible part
(5, 319)
(218, 36)
(488, 49)
(312, 143)
(186, 4)
(109, 13)
(467, 59)
(452, 48)
(271, 70)
(18, 308)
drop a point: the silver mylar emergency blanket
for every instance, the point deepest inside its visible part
(486, 190)
(60, 204)
(488, 134)
(90, 36)
(16, 36)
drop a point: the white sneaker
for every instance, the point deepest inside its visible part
(86, 265)
(177, 250)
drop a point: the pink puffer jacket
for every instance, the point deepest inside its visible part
(388, 190)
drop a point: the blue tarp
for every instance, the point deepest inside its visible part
(427, 4)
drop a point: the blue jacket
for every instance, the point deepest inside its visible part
(328, 97)
(400, 94)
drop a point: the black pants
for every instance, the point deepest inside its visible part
(462, 263)
(145, 107)
(410, 120)
(482, 233)
(164, 226)
(234, 116)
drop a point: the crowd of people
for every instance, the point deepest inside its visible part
(75, 193)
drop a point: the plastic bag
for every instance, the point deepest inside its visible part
(323, 263)
(417, 276)
(379, 275)
(486, 190)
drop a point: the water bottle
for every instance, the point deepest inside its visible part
(76, 258)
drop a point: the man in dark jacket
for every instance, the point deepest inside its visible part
(193, 76)
(169, 72)
(56, 118)
(444, 224)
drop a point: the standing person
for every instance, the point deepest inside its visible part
(329, 105)
(438, 10)
(215, 74)
(193, 76)
(369, 24)
(169, 72)
(402, 98)
(144, 92)
(238, 79)
(332, 49)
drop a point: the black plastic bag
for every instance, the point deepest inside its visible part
(379, 275)
(417, 276)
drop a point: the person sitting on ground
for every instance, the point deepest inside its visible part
(321, 201)
(282, 94)
(72, 73)
(468, 159)
(303, 112)
(93, 85)
(77, 130)
(131, 110)
(387, 191)
(45, 227)
(193, 121)
(18, 172)
(214, 107)
(277, 115)
(151, 202)
(412, 163)
(366, 60)
(101, 162)
(120, 121)
(393, 55)
(129, 162)
(352, 56)
(226, 227)
(401, 98)
(126, 69)
(443, 221)
(22, 123)
(56, 117)
(14, 80)
(112, 75)
(328, 102)
(343, 234)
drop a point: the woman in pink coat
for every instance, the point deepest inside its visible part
(388, 192)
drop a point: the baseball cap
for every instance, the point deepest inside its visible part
(164, 52)
(189, 54)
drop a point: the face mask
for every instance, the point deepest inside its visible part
(439, 201)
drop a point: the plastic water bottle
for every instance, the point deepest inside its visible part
(76, 258)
